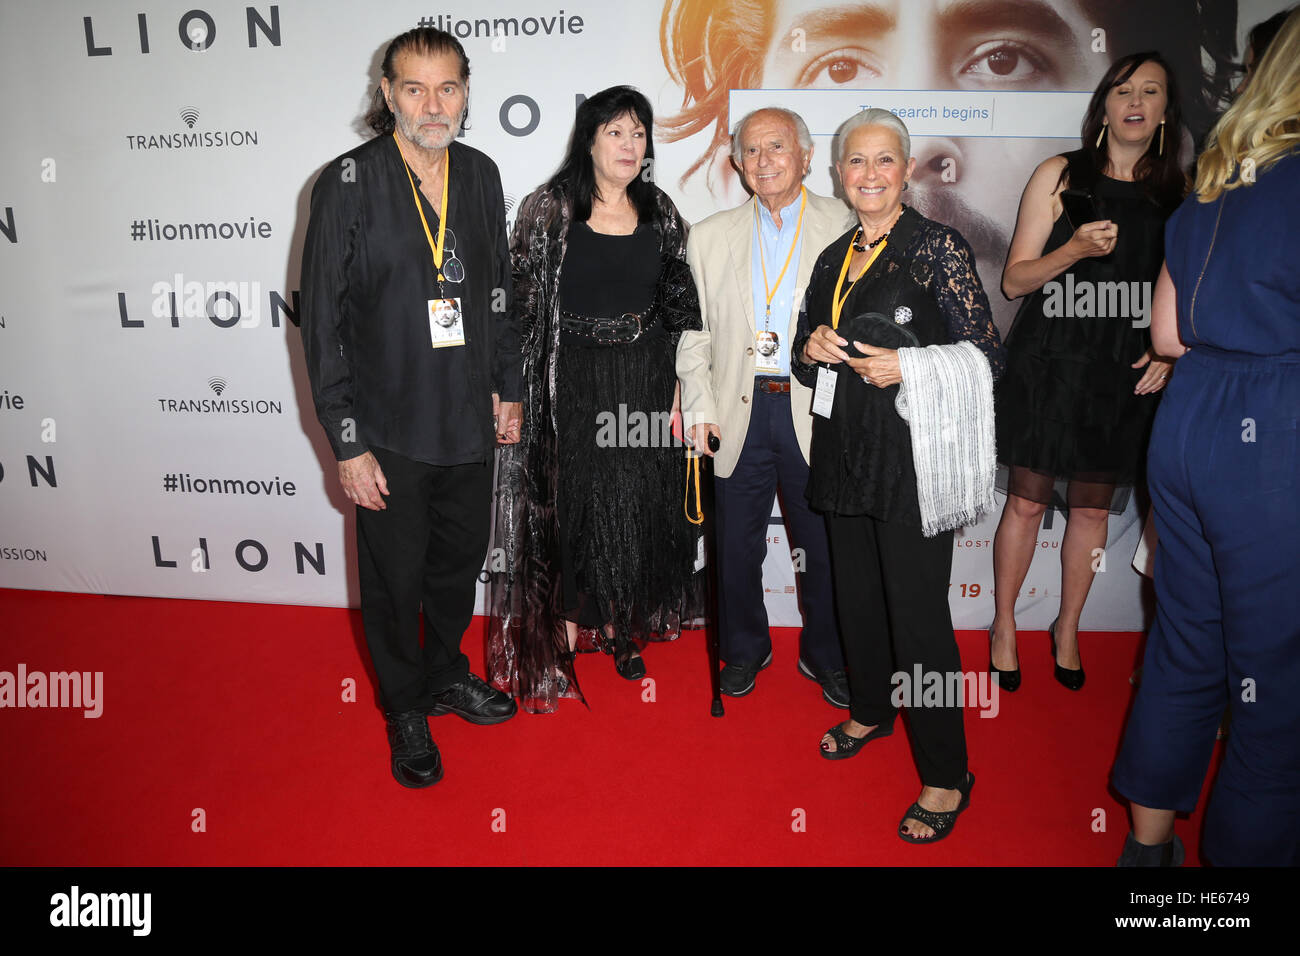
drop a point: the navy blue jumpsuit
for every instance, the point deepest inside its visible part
(1222, 472)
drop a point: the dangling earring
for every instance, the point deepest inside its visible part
(1161, 151)
(905, 185)
(1101, 135)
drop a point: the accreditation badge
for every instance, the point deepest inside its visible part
(824, 394)
(767, 352)
(445, 326)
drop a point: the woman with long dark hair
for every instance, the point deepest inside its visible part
(1075, 407)
(593, 536)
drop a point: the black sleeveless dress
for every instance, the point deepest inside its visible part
(1066, 411)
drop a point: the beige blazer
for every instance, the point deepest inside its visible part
(716, 364)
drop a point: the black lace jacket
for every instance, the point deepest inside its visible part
(940, 262)
(926, 281)
(526, 634)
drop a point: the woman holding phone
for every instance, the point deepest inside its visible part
(1076, 403)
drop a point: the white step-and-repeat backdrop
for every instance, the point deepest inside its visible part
(156, 431)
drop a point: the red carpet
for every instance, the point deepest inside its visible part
(236, 709)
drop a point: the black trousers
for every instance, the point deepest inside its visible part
(891, 590)
(424, 552)
(743, 506)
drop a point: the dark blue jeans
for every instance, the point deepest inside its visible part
(770, 459)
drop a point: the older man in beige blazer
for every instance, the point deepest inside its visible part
(751, 267)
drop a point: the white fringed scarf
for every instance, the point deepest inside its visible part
(947, 400)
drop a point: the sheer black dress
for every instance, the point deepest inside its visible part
(1066, 411)
(626, 551)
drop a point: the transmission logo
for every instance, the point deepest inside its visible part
(191, 138)
(220, 406)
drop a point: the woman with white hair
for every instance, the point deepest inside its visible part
(893, 489)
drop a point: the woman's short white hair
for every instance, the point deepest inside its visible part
(872, 117)
(800, 129)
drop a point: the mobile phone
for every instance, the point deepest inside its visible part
(1079, 207)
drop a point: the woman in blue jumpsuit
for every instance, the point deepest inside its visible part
(1222, 470)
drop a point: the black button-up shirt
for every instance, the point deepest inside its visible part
(367, 278)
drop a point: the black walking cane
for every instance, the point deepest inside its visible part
(708, 550)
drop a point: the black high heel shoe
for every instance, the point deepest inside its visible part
(1007, 680)
(1068, 678)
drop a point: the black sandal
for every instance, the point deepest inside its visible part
(846, 745)
(629, 667)
(940, 821)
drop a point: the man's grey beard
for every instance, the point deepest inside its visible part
(430, 141)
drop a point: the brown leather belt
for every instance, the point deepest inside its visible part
(774, 385)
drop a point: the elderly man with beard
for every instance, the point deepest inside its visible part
(751, 265)
(414, 363)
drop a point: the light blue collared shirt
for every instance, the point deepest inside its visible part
(775, 245)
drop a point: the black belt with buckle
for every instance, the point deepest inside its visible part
(772, 385)
(614, 330)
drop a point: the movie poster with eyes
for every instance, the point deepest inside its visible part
(988, 89)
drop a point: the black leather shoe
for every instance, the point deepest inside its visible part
(737, 680)
(835, 684)
(1068, 678)
(1007, 680)
(415, 759)
(475, 701)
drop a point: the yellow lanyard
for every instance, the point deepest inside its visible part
(693, 465)
(758, 237)
(844, 270)
(442, 213)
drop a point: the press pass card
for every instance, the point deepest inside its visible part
(445, 327)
